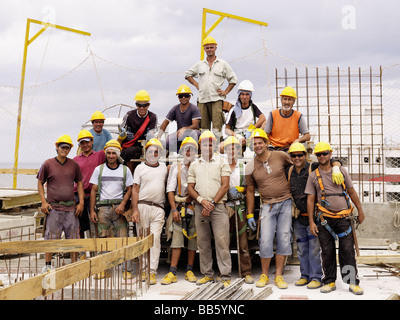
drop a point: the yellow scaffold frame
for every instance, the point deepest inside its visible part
(221, 15)
(21, 90)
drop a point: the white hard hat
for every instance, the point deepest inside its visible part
(246, 85)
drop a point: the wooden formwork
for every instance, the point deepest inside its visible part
(117, 251)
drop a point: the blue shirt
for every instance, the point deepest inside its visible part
(100, 139)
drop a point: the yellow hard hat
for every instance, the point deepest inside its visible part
(322, 146)
(209, 40)
(289, 92)
(259, 133)
(142, 95)
(112, 143)
(153, 142)
(297, 147)
(207, 135)
(65, 139)
(183, 88)
(84, 134)
(189, 140)
(97, 115)
(231, 140)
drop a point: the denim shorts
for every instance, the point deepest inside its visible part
(276, 221)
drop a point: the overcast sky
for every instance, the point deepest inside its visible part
(164, 35)
(155, 34)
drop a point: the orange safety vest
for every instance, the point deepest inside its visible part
(284, 130)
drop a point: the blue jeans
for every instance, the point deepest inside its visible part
(308, 252)
(276, 220)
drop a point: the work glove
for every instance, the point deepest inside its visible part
(129, 135)
(121, 133)
(337, 176)
(252, 223)
(234, 194)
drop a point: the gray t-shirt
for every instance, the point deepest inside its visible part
(183, 119)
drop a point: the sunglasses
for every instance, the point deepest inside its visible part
(180, 96)
(298, 155)
(322, 154)
(142, 105)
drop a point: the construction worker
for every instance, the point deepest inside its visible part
(285, 125)
(137, 126)
(212, 73)
(87, 160)
(267, 172)
(100, 135)
(208, 183)
(181, 219)
(187, 117)
(236, 206)
(245, 115)
(333, 212)
(59, 205)
(148, 199)
(308, 249)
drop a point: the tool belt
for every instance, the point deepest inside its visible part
(185, 219)
(64, 203)
(109, 202)
(150, 203)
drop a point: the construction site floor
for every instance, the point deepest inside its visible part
(376, 285)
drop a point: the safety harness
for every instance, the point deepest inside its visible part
(109, 202)
(241, 208)
(182, 208)
(322, 210)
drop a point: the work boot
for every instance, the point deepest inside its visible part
(204, 280)
(248, 279)
(301, 282)
(356, 289)
(169, 278)
(280, 283)
(189, 276)
(262, 281)
(329, 287)
(314, 284)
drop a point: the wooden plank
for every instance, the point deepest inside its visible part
(45, 284)
(65, 245)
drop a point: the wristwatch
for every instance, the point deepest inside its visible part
(213, 202)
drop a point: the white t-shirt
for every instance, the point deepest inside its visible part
(112, 181)
(151, 181)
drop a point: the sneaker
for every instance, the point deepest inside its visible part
(262, 281)
(226, 283)
(280, 283)
(301, 282)
(356, 289)
(328, 288)
(189, 276)
(153, 279)
(102, 275)
(204, 280)
(47, 268)
(127, 275)
(314, 284)
(169, 278)
(249, 279)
